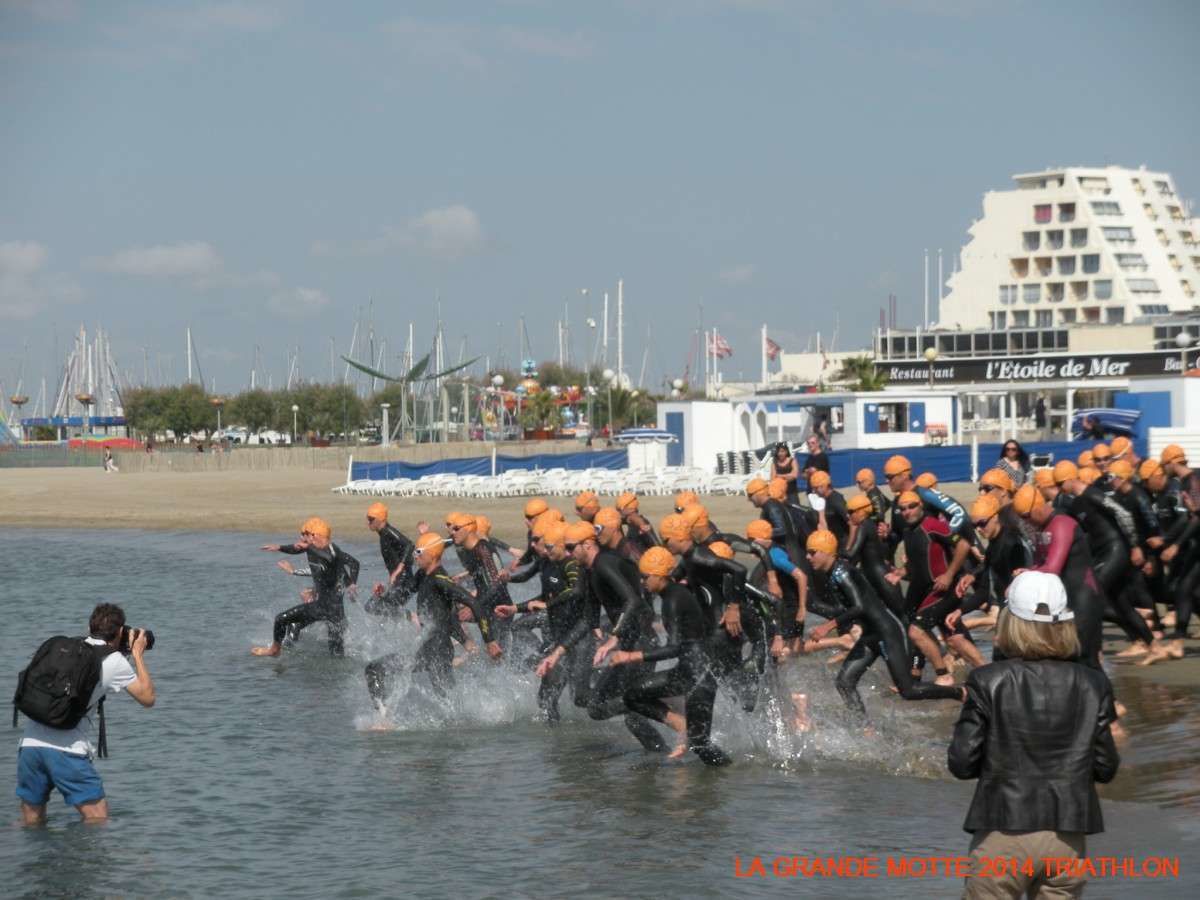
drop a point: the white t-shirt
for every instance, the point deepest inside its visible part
(116, 674)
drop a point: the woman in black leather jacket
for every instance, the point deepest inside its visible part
(1035, 731)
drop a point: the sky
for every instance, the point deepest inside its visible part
(271, 172)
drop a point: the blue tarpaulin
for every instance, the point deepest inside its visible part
(482, 465)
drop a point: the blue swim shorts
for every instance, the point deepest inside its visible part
(41, 769)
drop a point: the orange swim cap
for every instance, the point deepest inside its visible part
(535, 507)
(1101, 453)
(1026, 500)
(756, 486)
(1120, 468)
(675, 527)
(627, 502)
(865, 475)
(1043, 477)
(927, 480)
(542, 525)
(1084, 459)
(695, 515)
(657, 561)
(319, 527)
(819, 479)
(1149, 469)
(997, 478)
(586, 500)
(759, 530)
(896, 465)
(721, 549)
(822, 541)
(1120, 446)
(607, 517)
(985, 507)
(777, 489)
(483, 525)
(430, 545)
(378, 512)
(1089, 474)
(684, 499)
(1065, 470)
(907, 498)
(579, 532)
(556, 532)
(858, 502)
(1173, 453)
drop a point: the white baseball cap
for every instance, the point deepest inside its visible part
(1039, 597)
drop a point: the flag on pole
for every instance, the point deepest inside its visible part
(772, 349)
(718, 346)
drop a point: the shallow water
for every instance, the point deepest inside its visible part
(260, 777)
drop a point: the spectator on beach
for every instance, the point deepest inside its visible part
(1035, 731)
(1014, 462)
(783, 465)
(821, 430)
(109, 464)
(817, 461)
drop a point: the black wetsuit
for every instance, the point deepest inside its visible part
(879, 504)
(688, 629)
(332, 570)
(867, 550)
(640, 533)
(615, 585)
(784, 532)
(1010, 550)
(1063, 550)
(437, 595)
(395, 548)
(564, 591)
(837, 517)
(480, 563)
(883, 634)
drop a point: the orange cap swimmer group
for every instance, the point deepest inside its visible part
(378, 512)
(607, 518)
(759, 530)
(896, 465)
(430, 546)
(821, 541)
(535, 507)
(865, 479)
(675, 527)
(1027, 499)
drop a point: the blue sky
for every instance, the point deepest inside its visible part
(264, 170)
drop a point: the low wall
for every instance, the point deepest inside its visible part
(331, 458)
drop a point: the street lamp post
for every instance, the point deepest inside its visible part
(217, 403)
(386, 431)
(497, 383)
(1183, 340)
(931, 355)
(634, 397)
(295, 410)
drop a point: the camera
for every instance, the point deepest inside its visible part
(127, 634)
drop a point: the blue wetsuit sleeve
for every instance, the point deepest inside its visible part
(781, 562)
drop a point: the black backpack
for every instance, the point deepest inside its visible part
(56, 688)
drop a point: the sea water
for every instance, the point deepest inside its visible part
(269, 777)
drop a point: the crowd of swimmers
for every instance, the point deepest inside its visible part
(649, 623)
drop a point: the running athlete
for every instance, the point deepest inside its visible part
(563, 601)
(834, 517)
(865, 479)
(333, 571)
(397, 552)
(691, 679)
(1182, 551)
(882, 632)
(610, 535)
(478, 561)
(898, 471)
(587, 504)
(436, 599)
(638, 530)
(1063, 551)
(783, 526)
(1009, 550)
(791, 586)
(615, 588)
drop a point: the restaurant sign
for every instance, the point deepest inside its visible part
(1033, 369)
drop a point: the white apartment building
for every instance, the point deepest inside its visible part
(1099, 246)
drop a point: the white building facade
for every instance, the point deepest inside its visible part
(1076, 246)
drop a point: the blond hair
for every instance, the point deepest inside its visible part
(1018, 639)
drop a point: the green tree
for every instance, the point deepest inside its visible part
(541, 412)
(253, 409)
(145, 410)
(861, 370)
(187, 410)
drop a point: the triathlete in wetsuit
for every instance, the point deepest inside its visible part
(333, 571)
(397, 552)
(882, 632)
(1009, 549)
(615, 586)
(866, 550)
(837, 516)
(688, 629)
(1063, 550)
(478, 560)
(437, 597)
(865, 479)
(638, 530)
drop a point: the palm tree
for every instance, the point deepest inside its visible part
(861, 370)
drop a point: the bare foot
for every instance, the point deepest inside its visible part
(1138, 649)
(1155, 655)
(801, 722)
(848, 640)
(378, 726)
(1120, 735)
(946, 680)
(679, 751)
(1168, 621)
(836, 658)
(1120, 708)
(272, 650)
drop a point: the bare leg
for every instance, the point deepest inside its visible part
(31, 815)
(965, 649)
(274, 649)
(800, 720)
(677, 723)
(923, 641)
(96, 811)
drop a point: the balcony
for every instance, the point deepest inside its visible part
(1091, 314)
(1139, 187)
(1031, 240)
(1041, 213)
(1045, 265)
(1079, 290)
(1176, 214)
(1020, 267)
(1079, 237)
(1066, 265)
(1066, 316)
(1054, 292)
(1054, 240)
(1066, 212)
(1150, 213)
(1176, 262)
(1188, 291)
(1162, 236)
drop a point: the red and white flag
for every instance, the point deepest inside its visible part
(718, 346)
(772, 349)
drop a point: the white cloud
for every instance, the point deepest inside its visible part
(298, 302)
(446, 232)
(185, 259)
(232, 16)
(25, 287)
(741, 273)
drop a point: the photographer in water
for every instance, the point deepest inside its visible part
(56, 749)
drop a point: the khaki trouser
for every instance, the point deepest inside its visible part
(996, 878)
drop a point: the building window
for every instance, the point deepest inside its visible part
(1154, 309)
(1175, 213)
(1021, 318)
(1142, 285)
(1031, 293)
(1068, 316)
(1091, 314)
(1102, 290)
(1041, 213)
(1132, 262)
(1118, 234)
(1078, 237)
(1091, 263)
(1045, 318)
(999, 320)
(1106, 207)
(1008, 294)
(1162, 237)
(1054, 292)
(1079, 290)
(1114, 315)
(1187, 287)
(1188, 239)
(1066, 265)
(1066, 212)
(1164, 189)
(1196, 262)
(1149, 211)
(1031, 240)
(1094, 185)
(1175, 262)
(1054, 239)
(1045, 265)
